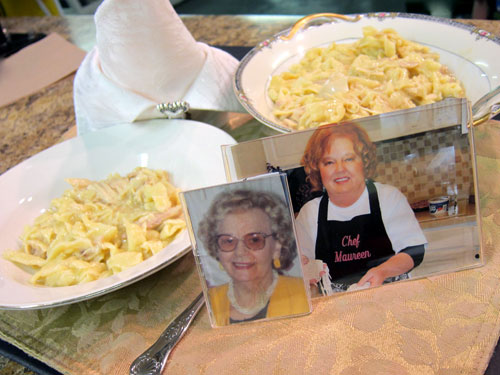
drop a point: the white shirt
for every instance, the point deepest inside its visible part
(399, 220)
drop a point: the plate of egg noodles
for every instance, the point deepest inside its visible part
(101, 211)
(330, 68)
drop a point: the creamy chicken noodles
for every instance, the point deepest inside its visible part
(99, 228)
(381, 72)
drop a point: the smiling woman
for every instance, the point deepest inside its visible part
(250, 233)
(364, 231)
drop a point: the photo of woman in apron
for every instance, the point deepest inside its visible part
(365, 231)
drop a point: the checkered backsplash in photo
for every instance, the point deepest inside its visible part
(429, 165)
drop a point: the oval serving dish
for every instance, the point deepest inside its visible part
(470, 53)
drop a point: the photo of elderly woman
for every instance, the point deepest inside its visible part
(249, 234)
(364, 231)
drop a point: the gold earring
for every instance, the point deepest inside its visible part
(277, 263)
(220, 266)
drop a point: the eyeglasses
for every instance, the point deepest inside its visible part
(253, 241)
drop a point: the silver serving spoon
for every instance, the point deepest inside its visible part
(153, 360)
(486, 107)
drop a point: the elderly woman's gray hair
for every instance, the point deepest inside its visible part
(241, 200)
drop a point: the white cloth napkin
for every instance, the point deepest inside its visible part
(145, 56)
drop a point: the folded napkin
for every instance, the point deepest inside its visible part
(145, 56)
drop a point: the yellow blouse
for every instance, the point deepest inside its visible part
(289, 298)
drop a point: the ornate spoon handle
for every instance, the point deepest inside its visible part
(153, 360)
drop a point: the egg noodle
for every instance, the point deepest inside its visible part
(381, 72)
(97, 229)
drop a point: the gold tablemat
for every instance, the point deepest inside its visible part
(443, 325)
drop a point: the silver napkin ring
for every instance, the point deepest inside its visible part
(176, 109)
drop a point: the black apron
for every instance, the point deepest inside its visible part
(351, 248)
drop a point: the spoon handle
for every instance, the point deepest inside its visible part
(153, 360)
(486, 107)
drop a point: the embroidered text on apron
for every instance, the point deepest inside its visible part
(350, 248)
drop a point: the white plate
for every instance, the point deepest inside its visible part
(190, 151)
(472, 54)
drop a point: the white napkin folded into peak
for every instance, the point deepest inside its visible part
(145, 56)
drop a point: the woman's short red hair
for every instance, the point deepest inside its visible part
(320, 141)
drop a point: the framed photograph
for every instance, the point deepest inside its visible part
(380, 199)
(246, 251)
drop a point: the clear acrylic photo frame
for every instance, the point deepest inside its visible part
(292, 299)
(427, 153)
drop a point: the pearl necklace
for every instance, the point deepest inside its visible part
(261, 301)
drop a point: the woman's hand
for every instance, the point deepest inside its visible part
(375, 277)
(394, 266)
(312, 271)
